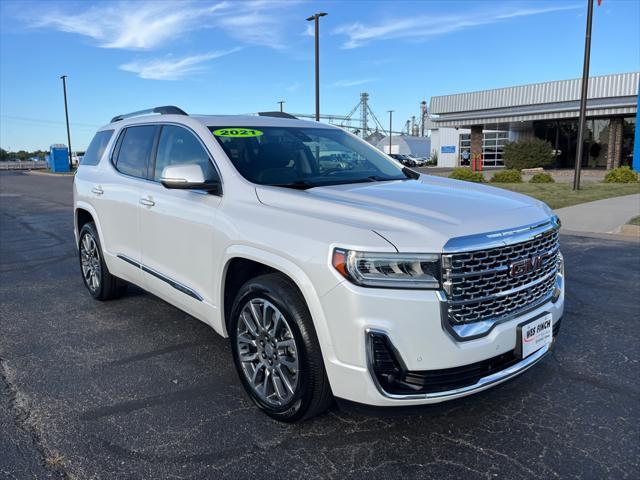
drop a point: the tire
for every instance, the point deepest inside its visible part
(295, 386)
(95, 274)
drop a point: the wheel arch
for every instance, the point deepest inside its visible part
(262, 262)
(83, 214)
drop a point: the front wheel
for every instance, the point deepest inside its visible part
(276, 351)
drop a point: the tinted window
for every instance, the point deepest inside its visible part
(179, 146)
(96, 148)
(304, 157)
(135, 150)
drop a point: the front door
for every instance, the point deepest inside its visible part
(177, 228)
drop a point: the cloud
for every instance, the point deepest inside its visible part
(351, 83)
(258, 28)
(422, 27)
(293, 87)
(143, 25)
(309, 31)
(170, 68)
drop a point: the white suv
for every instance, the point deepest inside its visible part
(360, 279)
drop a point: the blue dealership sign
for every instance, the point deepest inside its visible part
(448, 149)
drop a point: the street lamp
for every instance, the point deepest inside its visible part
(281, 102)
(583, 95)
(66, 114)
(390, 128)
(316, 18)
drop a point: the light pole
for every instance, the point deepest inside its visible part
(281, 102)
(316, 19)
(583, 96)
(390, 128)
(66, 114)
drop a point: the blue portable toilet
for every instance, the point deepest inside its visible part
(59, 158)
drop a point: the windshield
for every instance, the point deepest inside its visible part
(303, 157)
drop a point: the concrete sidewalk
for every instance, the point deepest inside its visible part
(601, 216)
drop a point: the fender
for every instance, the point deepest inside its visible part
(82, 205)
(296, 274)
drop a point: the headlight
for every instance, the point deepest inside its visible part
(389, 270)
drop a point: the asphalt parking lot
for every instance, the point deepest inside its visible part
(135, 388)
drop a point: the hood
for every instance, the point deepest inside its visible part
(414, 215)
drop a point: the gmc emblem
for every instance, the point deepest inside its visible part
(527, 265)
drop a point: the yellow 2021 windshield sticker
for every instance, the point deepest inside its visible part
(237, 132)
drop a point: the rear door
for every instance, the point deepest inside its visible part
(120, 197)
(177, 228)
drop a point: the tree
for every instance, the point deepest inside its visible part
(531, 153)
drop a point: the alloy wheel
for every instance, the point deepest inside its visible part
(90, 262)
(267, 351)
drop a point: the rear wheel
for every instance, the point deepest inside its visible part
(95, 274)
(276, 351)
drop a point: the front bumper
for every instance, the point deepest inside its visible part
(412, 321)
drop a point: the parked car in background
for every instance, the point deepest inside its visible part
(403, 159)
(374, 284)
(419, 161)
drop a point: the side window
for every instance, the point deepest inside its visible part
(135, 150)
(96, 148)
(177, 146)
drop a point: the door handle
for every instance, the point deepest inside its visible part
(147, 202)
(97, 190)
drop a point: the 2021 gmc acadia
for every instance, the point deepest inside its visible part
(334, 270)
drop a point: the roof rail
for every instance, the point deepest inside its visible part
(166, 110)
(277, 115)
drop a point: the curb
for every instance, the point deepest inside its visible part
(630, 230)
(604, 236)
(49, 174)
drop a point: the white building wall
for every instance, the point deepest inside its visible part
(446, 143)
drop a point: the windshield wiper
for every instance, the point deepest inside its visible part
(298, 184)
(411, 174)
(378, 178)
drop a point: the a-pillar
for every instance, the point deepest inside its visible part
(476, 141)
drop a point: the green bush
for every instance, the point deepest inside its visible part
(621, 175)
(507, 176)
(467, 175)
(542, 178)
(532, 153)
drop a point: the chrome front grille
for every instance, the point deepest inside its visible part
(491, 284)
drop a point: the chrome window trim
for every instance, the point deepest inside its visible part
(481, 384)
(177, 285)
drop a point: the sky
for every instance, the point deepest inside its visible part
(235, 57)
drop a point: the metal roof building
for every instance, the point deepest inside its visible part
(548, 111)
(607, 95)
(406, 145)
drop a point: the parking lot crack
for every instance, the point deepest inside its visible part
(18, 405)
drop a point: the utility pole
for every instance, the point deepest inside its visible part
(66, 114)
(281, 102)
(316, 19)
(583, 96)
(390, 128)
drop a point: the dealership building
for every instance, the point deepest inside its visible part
(467, 124)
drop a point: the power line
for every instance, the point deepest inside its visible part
(45, 121)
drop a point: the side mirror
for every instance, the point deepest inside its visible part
(188, 177)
